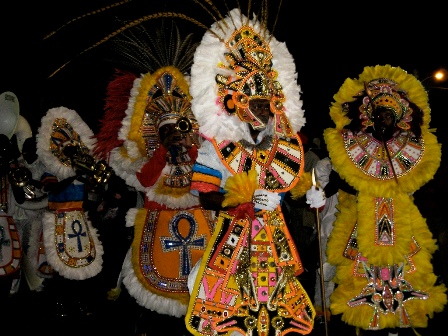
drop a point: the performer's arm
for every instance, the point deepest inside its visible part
(211, 200)
(335, 183)
(52, 185)
(151, 171)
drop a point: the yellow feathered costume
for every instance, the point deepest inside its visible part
(380, 243)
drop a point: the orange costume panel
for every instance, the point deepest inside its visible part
(167, 244)
(248, 280)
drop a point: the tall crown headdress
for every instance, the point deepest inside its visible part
(157, 97)
(239, 60)
(385, 93)
(382, 86)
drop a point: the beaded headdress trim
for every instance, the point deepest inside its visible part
(61, 126)
(385, 93)
(243, 63)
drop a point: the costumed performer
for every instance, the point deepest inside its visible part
(73, 249)
(36, 266)
(381, 245)
(247, 102)
(330, 182)
(159, 145)
(14, 181)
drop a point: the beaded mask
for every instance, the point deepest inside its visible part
(384, 92)
(167, 101)
(250, 60)
(62, 136)
(239, 60)
(62, 128)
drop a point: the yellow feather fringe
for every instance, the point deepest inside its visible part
(240, 188)
(360, 210)
(141, 101)
(304, 184)
(414, 88)
(422, 173)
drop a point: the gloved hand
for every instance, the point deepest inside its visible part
(266, 200)
(315, 197)
(113, 294)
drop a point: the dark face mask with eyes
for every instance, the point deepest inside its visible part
(384, 124)
(261, 109)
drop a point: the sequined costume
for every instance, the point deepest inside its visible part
(16, 193)
(170, 235)
(172, 230)
(72, 246)
(247, 280)
(380, 243)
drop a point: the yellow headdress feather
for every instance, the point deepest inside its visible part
(351, 88)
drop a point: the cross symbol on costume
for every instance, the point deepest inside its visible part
(183, 244)
(77, 233)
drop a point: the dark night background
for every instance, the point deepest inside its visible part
(329, 42)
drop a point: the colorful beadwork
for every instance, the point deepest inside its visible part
(278, 162)
(368, 155)
(74, 244)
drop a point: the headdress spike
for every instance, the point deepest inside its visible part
(133, 24)
(103, 9)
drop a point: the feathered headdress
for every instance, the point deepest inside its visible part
(239, 60)
(414, 153)
(381, 85)
(137, 106)
(61, 127)
(385, 93)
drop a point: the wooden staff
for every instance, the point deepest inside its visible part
(322, 281)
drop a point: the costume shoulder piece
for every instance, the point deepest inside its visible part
(237, 60)
(61, 127)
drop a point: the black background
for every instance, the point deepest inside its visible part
(329, 42)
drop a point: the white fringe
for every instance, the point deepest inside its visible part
(126, 122)
(213, 120)
(130, 216)
(43, 138)
(184, 201)
(146, 298)
(68, 272)
(126, 168)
